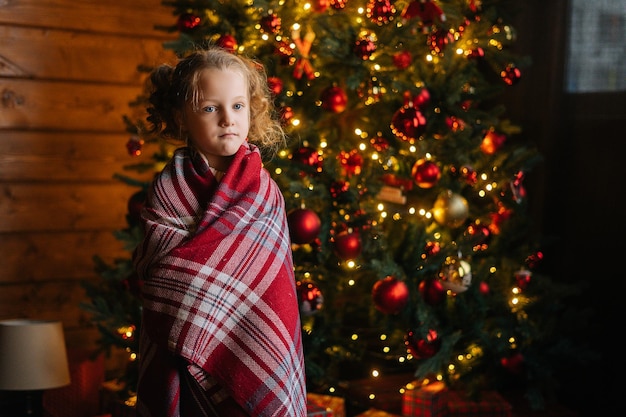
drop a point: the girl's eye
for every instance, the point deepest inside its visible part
(238, 106)
(209, 109)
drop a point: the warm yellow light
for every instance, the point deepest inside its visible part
(354, 336)
(375, 373)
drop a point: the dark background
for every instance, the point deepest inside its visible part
(576, 198)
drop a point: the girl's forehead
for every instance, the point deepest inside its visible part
(215, 72)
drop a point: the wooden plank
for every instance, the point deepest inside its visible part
(63, 207)
(76, 157)
(33, 257)
(45, 301)
(30, 104)
(79, 56)
(137, 17)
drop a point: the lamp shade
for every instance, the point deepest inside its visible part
(32, 355)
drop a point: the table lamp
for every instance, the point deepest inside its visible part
(32, 359)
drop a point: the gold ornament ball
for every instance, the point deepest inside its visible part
(450, 209)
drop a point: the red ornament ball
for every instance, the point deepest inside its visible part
(422, 98)
(439, 39)
(339, 4)
(469, 175)
(390, 295)
(476, 53)
(304, 225)
(271, 23)
(432, 291)
(347, 245)
(351, 162)
(478, 234)
(430, 249)
(134, 146)
(286, 114)
(514, 363)
(427, 11)
(334, 99)
(511, 74)
(402, 60)
(310, 297)
(425, 173)
(188, 22)
(227, 42)
(339, 188)
(320, 6)
(380, 11)
(379, 143)
(422, 348)
(364, 48)
(284, 52)
(309, 157)
(275, 84)
(408, 123)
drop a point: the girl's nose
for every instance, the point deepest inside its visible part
(227, 120)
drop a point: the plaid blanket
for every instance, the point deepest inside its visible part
(219, 294)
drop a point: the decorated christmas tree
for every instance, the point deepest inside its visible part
(404, 185)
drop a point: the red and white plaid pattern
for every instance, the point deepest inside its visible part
(219, 292)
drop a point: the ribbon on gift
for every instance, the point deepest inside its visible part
(303, 64)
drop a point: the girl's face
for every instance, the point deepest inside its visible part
(221, 123)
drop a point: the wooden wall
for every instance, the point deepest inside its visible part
(68, 71)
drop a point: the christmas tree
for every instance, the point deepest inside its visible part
(404, 185)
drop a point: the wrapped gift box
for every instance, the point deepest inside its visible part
(335, 403)
(82, 397)
(425, 400)
(381, 393)
(315, 410)
(489, 404)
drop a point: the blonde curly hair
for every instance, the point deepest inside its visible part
(172, 87)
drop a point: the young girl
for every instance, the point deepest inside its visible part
(220, 334)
